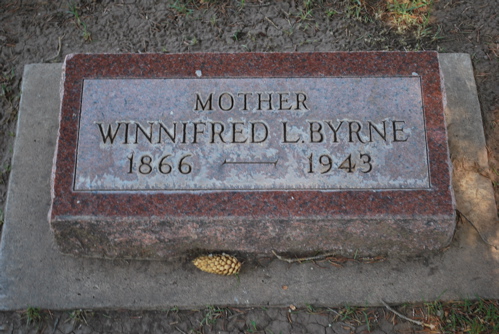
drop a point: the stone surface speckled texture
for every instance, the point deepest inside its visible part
(280, 143)
(161, 224)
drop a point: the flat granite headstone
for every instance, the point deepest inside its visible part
(161, 154)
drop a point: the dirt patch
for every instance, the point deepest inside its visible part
(45, 31)
(435, 317)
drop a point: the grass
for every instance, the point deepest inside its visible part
(241, 4)
(404, 16)
(481, 316)
(33, 316)
(305, 14)
(330, 12)
(74, 11)
(212, 314)
(182, 8)
(237, 35)
(348, 313)
(8, 93)
(306, 11)
(4, 171)
(214, 20)
(252, 327)
(407, 13)
(80, 316)
(1, 218)
(357, 9)
(6, 85)
(309, 308)
(366, 319)
(466, 316)
(496, 172)
(408, 16)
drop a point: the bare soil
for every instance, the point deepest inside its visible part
(228, 320)
(37, 31)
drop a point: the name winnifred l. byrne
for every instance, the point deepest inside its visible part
(252, 133)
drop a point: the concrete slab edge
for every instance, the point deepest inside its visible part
(474, 193)
(34, 273)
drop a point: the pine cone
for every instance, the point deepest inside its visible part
(218, 264)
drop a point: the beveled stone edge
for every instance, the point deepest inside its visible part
(102, 238)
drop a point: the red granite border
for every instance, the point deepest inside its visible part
(265, 205)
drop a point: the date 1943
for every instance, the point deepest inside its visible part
(326, 164)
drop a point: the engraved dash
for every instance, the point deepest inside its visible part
(250, 162)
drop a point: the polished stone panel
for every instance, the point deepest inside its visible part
(252, 134)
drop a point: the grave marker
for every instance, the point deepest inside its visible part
(297, 152)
